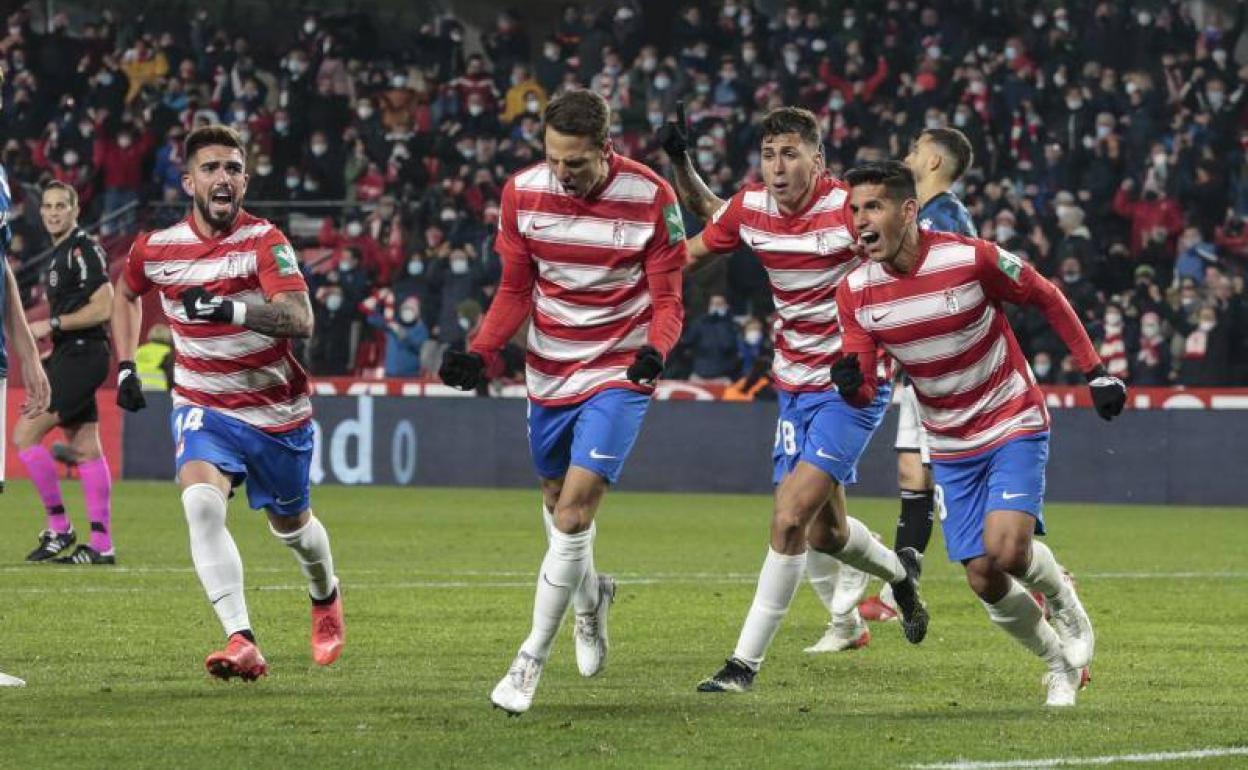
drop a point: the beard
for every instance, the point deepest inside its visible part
(218, 222)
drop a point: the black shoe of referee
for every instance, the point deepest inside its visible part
(906, 593)
(51, 543)
(85, 554)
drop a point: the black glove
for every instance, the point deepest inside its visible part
(202, 306)
(846, 375)
(129, 389)
(646, 367)
(1109, 394)
(465, 371)
(673, 136)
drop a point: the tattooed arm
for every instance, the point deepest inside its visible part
(287, 314)
(693, 192)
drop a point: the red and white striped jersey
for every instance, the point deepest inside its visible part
(944, 323)
(601, 276)
(235, 371)
(806, 255)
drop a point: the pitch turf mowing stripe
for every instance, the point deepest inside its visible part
(1161, 756)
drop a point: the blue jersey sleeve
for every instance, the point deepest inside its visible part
(946, 214)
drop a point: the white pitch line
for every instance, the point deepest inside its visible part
(1161, 756)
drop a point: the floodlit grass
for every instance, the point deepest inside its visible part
(438, 592)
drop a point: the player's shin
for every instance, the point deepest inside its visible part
(823, 571)
(310, 544)
(585, 597)
(864, 552)
(914, 525)
(216, 557)
(1043, 573)
(777, 583)
(563, 570)
(1018, 615)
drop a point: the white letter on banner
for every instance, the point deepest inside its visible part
(403, 453)
(362, 430)
(317, 472)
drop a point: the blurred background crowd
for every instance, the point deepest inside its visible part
(1110, 145)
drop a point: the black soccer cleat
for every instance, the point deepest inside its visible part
(914, 615)
(85, 554)
(51, 543)
(735, 676)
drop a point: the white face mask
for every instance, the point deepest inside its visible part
(407, 316)
(415, 268)
(354, 229)
(1010, 53)
(333, 302)
(706, 159)
(533, 106)
(718, 311)
(1004, 233)
(364, 112)
(933, 123)
(961, 119)
(459, 266)
(123, 142)
(1150, 330)
(319, 149)
(662, 83)
(398, 81)
(1207, 326)
(464, 323)
(1113, 321)
(475, 110)
(753, 337)
(1074, 104)
(1042, 370)
(1219, 57)
(836, 103)
(71, 159)
(1159, 160)
(264, 170)
(1216, 98)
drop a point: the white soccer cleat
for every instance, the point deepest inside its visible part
(1073, 626)
(590, 632)
(11, 681)
(1064, 686)
(514, 692)
(845, 632)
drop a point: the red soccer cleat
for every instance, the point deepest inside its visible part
(329, 632)
(241, 657)
(873, 608)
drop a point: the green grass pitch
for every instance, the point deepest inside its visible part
(438, 591)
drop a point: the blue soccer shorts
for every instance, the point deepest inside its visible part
(1009, 477)
(276, 466)
(597, 434)
(822, 429)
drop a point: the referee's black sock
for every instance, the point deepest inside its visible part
(914, 526)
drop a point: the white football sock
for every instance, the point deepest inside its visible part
(215, 556)
(822, 572)
(310, 544)
(1018, 615)
(562, 570)
(777, 582)
(864, 552)
(851, 586)
(585, 598)
(1043, 573)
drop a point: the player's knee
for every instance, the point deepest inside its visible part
(573, 516)
(788, 525)
(979, 576)
(1010, 555)
(909, 471)
(204, 506)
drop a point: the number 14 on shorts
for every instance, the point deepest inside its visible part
(190, 420)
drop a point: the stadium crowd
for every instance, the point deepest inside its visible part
(1110, 149)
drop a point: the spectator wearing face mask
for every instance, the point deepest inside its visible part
(265, 184)
(1195, 255)
(411, 280)
(330, 348)
(1079, 291)
(1042, 367)
(325, 166)
(1112, 345)
(1151, 212)
(405, 334)
(354, 237)
(1206, 357)
(752, 346)
(1150, 364)
(712, 344)
(120, 162)
(169, 166)
(73, 171)
(454, 279)
(524, 95)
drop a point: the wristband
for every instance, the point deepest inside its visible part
(239, 315)
(55, 323)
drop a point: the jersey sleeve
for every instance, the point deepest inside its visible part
(514, 299)
(666, 255)
(857, 341)
(723, 232)
(277, 265)
(133, 273)
(1007, 278)
(88, 260)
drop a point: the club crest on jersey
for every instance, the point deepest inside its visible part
(617, 233)
(951, 302)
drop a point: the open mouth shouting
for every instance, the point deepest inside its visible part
(870, 242)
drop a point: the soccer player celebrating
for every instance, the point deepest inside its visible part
(592, 246)
(230, 286)
(933, 301)
(80, 299)
(798, 224)
(938, 157)
(14, 327)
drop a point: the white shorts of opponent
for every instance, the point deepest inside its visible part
(911, 435)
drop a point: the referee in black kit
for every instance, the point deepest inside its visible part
(80, 299)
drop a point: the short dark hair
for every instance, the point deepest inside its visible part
(57, 184)
(210, 136)
(895, 176)
(792, 120)
(579, 112)
(954, 144)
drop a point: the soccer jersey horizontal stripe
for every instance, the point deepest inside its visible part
(273, 416)
(962, 380)
(1033, 419)
(253, 378)
(582, 382)
(584, 230)
(222, 347)
(574, 314)
(589, 277)
(561, 349)
(942, 346)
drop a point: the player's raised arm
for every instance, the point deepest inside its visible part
(33, 378)
(1008, 278)
(673, 137)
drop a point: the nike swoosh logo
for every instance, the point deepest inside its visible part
(219, 598)
(168, 271)
(881, 316)
(288, 502)
(594, 454)
(1012, 495)
(759, 242)
(535, 226)
(202, 306)
(820, 453)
